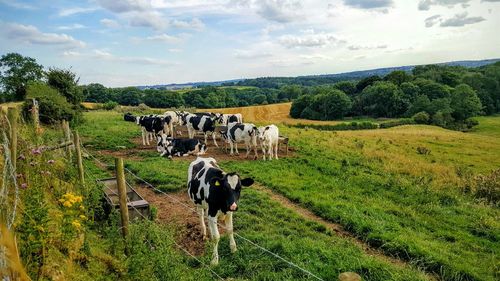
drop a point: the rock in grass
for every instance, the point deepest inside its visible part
(349, 276)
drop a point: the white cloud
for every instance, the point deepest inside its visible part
(17, 5)
(425, 5)
(251, 54)
(369, 4)
(124, 6)
(31, 34)
(195, 24)
(109, 23)
(71, 26)
(107, 56)
(76, 10)
(357, 47)
(431, 21)
(461, 20)
(309, 38)
(281, 11)
(165, 38)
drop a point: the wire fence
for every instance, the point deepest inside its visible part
(172, 198)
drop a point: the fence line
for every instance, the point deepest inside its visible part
(194, 210)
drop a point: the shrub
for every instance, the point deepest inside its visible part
(471, 122)
(52, 106)
(143, 107)
(340, 127)
(423, 150)
(488, 187)
(421, 117)
(110, 105)
(400, 122)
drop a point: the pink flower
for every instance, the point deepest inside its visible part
(36, 151)
(51, 161)
(21, 157)
(24, 185)
(33, 163)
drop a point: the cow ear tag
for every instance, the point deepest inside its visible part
(217, 183)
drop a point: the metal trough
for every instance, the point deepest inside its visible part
(138, 208)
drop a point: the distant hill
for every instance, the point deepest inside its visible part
(273, 82)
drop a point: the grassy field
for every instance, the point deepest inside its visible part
(373, 182)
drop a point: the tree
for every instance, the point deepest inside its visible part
(16, 72)
(432, 89)
(348, 87)
(299, 104)
(333, 104)
(66, 82)
(465, 102)
(259, 99)
(129, 96)
(289, 92)
(383, 99)
(398, 77)
(410, 90)
(420, 104)
(96, 92)
(365, 82)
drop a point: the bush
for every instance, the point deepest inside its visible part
(488, 187)
(110, 105)
(390, 124)
(421, 117)
(52, 106)
(340, 127)
(471, 122)
(143, 107)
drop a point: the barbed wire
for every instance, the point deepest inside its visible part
(194, 210)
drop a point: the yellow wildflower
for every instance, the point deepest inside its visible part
(76, 224)
(67, 204)
(83, 217)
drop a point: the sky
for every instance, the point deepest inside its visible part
(145, 42)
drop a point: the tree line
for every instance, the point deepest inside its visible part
(446, 96)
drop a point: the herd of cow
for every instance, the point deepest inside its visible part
(229, 127)
(214, 192)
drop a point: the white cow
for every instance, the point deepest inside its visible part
(269, 138)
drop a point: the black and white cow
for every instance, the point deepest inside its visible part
(151, 125)
(170, 147)
(225, 119)
(238, 132)
(174, 120)
(216, 192)
(129, 117)
(202, 123)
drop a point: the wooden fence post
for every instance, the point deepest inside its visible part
(35, 116)
(122, 194)
(79, 162)
(67, 135)
(12, 115)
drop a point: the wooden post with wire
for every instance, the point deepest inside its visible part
(35, 116)
(122, 194)
(12, 116)
(67, 135)
(79, 161)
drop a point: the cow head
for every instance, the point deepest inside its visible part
(230, 187)
(163, 142)
(262, 131)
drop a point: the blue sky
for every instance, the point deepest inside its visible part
(141, 42)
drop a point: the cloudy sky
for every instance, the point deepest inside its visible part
(140, 42)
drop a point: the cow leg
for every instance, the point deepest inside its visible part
(248, 147)
(263, 150)
(214, 233)
(202, 221)
(229, 229)
(205, 136)
(231, 145)
(271, 150)
(213, 137)
(143, 134)
(236, 146)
